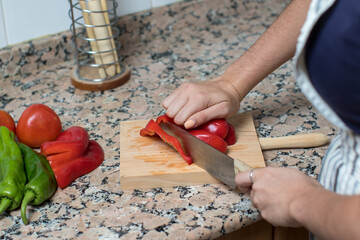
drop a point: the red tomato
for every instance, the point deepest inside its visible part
(38, 124)
(210, 138)
(7, 121)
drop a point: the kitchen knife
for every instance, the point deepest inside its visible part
(216, 163)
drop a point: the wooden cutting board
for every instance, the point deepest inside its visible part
(148, 162)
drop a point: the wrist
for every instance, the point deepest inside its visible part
(242, 77)
(306, 203)
(234, 83)
(227, 84)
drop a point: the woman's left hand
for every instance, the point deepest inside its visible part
(274, 190)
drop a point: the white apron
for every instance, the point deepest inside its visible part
(340, 171)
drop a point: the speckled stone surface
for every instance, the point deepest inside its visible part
(192, 40)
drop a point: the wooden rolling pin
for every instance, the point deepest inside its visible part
(100, 17)
(91, 34)
(306, 140)
(296, 141)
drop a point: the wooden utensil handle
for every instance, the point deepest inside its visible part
(240, 166)
(295, 141)
(97, 18)
(91, 34)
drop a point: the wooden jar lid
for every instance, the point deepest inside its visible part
(101, 85)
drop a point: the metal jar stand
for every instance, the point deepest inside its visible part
(94, 36)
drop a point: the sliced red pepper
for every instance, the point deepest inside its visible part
(66, 172)
(217, 133)
(210, 138)
(72, 155)
(69, 145)
(230, 139)
(219, 127)
(164, 118)
(153, 128)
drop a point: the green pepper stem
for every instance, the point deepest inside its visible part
(28, 198)
(5, 203)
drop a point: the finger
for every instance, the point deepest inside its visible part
(213, 112)
(176, 107)
(183, 116)
(245, 189)
(243, 181)
(253, 199)
(191, 107)
(203, 116)
(169, 99)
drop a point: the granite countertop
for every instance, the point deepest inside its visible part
(191, 40)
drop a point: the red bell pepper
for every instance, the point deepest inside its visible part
(91, 159)
(153, 128)
(165, 118)
(221, 128)
(217, 133)
(69, 145)
(218, 127)
(210, 138)
(230, 138)
(72, 155)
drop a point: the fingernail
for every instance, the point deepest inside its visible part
(190, 123)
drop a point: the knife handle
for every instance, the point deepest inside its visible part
(296, 141)
(240, 166)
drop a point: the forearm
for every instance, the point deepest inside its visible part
(276, 46)
(328, 215)
(193, 104)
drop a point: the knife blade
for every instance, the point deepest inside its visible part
(216, 163)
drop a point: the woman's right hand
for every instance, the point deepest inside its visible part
(281, 194)
(193, 104)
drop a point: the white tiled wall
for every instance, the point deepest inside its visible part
(126, 6)
(26, 19)
(158, 3)
(22, 20)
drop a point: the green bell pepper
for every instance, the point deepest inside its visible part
(12, 174)
(41, 179)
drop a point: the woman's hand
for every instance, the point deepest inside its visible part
(193, 104)
(275, 190)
